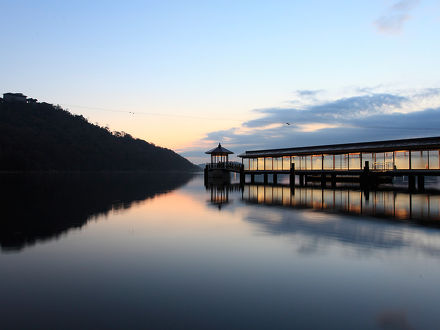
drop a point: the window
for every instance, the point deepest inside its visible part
(341, 162)
(328, 162)
(367, 157)
(379, 161)
(286, 163)
(278, 163)
(316, 162)
(268, 163)
(389, 161)
(246, 164)
(433, 159)
(419, 160)
(401, 160)
(260, 165)
(297, 161)
(307, 162)
(253, 164)
(354, 161)
(344, 162)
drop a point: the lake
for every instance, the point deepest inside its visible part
(127, 251)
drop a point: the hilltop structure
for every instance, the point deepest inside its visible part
(14, 97)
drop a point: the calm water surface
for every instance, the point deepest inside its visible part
(136, 251)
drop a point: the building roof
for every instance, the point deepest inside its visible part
(375, 146)
(219, 150)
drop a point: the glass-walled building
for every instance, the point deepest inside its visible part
(408, 154)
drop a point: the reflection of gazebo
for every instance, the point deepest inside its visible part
(219, 196)
(219, 154)
(220, 193)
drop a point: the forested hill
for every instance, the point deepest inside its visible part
(41, 136)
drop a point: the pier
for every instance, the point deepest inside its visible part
(367, 163)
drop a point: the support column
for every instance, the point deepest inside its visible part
(301, 180)
(242, 175)
(333, 180)
(367, 194)
(292, 174)
(275, 178)
(265, 178)
(323, 180)
(421, 182)
(252, 178)
(365, 174)
(411, 182)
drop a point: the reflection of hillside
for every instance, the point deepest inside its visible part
(42, 206)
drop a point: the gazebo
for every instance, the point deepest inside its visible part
(219, 154)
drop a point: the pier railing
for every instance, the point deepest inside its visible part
(230, 166)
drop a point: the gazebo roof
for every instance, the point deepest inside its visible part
(219, 150)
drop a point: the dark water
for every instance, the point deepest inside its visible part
(137, 251)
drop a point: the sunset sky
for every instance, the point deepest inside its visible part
(189, 74)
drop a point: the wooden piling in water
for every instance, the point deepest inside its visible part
(411, 182)
(301, 180)
(292, 174)
(421, 182)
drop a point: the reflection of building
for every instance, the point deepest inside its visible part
(379, 203)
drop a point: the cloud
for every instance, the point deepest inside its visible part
(307, 92)
(374, 116)
(392, 22)
(330, 111)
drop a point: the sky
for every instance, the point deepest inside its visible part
(187, 75)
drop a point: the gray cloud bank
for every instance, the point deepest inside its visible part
(375, 116)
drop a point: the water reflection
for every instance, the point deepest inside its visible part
(38, 207)
(175, 262)
(219, 193)
(311, 215)
(394, 203)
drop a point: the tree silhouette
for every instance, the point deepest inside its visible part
(41, 136)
